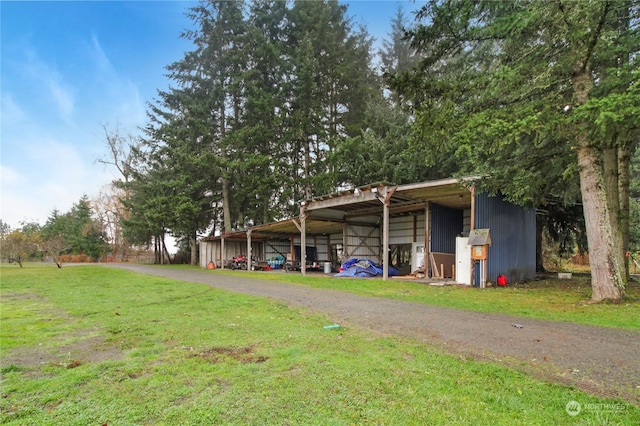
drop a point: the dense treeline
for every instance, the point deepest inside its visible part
(277, 102)
(75, 232)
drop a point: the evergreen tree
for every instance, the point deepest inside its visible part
(261, 165)
(213, 73)
(396, 54)
(333, 81)
(522, 84)
(81, 232)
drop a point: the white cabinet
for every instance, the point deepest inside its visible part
(463, 261)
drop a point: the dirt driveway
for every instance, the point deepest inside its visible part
(599, 360)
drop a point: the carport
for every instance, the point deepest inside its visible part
(365, 207)
(381, 201)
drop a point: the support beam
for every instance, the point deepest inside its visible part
(300, 226)
(303, 240)
(427, 238)
(222, 253)
(473, 208)
(385, 241)
(472, 226)
(384, 195)
(249, 263)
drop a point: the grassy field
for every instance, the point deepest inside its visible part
(551, 299)
(90, 345)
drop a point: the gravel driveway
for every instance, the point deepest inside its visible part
(599, 360)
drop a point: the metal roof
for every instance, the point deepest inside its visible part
(329, 213)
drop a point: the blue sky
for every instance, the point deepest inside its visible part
(68, 69)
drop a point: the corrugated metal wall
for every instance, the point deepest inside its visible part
(363, 241)
(321, 243)
(513, 236)
(206, 253)
(466, 222)
(210, 251)
(446, 225)
(277, 248)
(402, 229)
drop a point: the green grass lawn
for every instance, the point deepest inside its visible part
(89, 345)
(552, 299)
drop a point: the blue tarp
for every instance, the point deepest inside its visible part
(363, 268)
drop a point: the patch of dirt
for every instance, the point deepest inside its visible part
(83, 351)
(243, 355)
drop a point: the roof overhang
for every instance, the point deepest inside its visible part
(329, 214)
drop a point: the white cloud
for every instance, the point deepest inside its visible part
(100, 58)
(63, 99)
(51, 120)
(133, 107)
(117, 91)
(51, 175)
(61, 93)
(9, 175)
(11, 112)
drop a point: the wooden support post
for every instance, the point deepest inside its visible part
(222, 253)
(473, 226)
(385, 241)
(303, 240)
(427, 238)
(249, 250)
(384, 194)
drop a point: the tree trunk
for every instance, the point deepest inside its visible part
(165, 252)
(226, 205)
(194, 249)
(156, 250)
(606, 273)
(226, 200)
(265, 211)
(307, 164)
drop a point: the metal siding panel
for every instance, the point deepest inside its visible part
(513, 237)
(277, 248)
(420, 229)
(401, 230)
(321, 248)
(257, 250)
(204, 247)
(363, 241)
(466, 221)
(446, 225)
